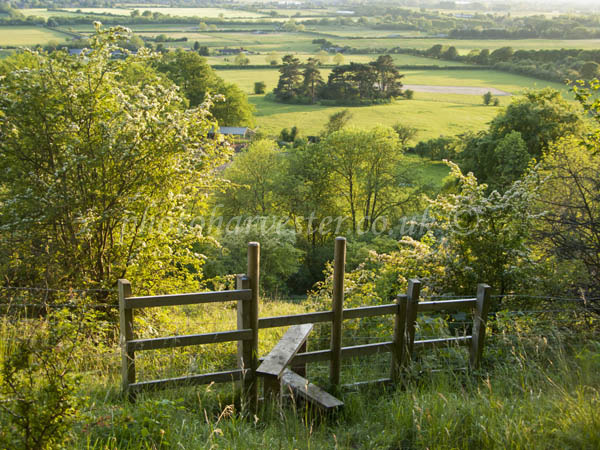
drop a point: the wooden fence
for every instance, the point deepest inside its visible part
(401, 347)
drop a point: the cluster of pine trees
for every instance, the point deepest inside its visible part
(347, 84)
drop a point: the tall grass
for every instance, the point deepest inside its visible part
(535, 390)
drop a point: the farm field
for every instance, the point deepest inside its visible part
(44, 12)
(432, 114)
(465, 46)
(177, 12)
(29, 36)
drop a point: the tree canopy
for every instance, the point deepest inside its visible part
(100, 171)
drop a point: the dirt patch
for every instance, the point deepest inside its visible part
(465, 90)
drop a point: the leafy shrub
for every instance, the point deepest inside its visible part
(259, 87)
(37, 381)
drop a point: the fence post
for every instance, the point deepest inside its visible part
(254, 282)
(413, 292)
(479, 323)
(244, 348)
(399, 338)
(126, 335)
(339, 265)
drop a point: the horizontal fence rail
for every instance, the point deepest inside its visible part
(454, 305)
(187, 340)
(190, 380)
(187, 299)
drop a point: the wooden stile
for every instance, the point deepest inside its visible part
(291, 351)
(280, 357)
(338, 310)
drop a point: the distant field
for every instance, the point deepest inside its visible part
(202, 12)
(245, 78)
(180, 12)
(464, 46)
(398, 59)
(25, 36)
(43, 12)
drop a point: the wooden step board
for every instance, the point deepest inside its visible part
(272, 367)
(311, 393)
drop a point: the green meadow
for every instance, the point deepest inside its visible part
(432, 114)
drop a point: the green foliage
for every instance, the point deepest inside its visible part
(101, 171)
(570, 199)
(358, 83)
(290, 79)
(487, 98)
(484, 236)
(252, 180)
(365, 165)
(259, 87)
(540, 117)
(438, 149)
(197, 80)
(280, 259)
(241, 59)
(37, 380)
(405, 133)
(337, 121)
(289, 135)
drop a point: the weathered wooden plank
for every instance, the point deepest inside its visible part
(369, 311)
(345, 352)
(311, 357)
(399, 337)
(191, 380)
(297, 319)
(367, 349)
(326, 316)
(443, 305)
(313, 394)
(479, 323)
(253, 267)
(187, 299)
(284, 351)
(192, 339)
(337, 300)
(443, 342)
(414, 289)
